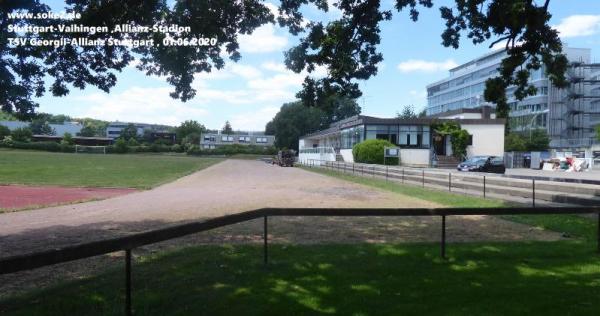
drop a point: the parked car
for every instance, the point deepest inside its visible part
(492, 164)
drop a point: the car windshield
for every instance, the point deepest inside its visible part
(476, 160)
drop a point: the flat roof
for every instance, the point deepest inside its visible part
(371, 120)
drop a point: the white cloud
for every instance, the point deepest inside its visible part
(245, 71)
(136, 104)
(255, 120)
(274, 66)
(262, 40)
(418, 65)
(579, 25)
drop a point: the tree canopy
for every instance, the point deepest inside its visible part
(347, 46)
(227, 128)
(189, 127)
(293, 121)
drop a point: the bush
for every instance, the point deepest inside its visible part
(4, 131)
(21, 134)
(45, 146)
(371, 151)
(177, 148)
(514, 142)
(132, 142)
(67, 139)
(120, 146)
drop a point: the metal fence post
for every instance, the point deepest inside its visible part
(402, 175)
(265, 248)
(484, 187)
(373, 172)
(449, 181)
(533, 191)
(423, 177)
(128, 310)
(443, 250)
(353, 168)
(386, 173)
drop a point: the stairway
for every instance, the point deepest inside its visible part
(339, 157)
(447, 162)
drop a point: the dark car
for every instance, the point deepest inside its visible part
(492, 164)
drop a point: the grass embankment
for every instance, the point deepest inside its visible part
(96, 170)
(441, 197)
(571, 225)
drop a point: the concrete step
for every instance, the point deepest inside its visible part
(547, 191)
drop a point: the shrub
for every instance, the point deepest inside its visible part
(120, 146)
(371, 151)
(514, 142)
(21, 134)
(67, 139)
(176, 148)
(45, 146)
(4, 131)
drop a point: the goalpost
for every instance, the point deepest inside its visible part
(90, 149)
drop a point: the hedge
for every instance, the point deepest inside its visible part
(44, 146)
(371, 151)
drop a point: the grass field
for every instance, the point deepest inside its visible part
(95, 170)
(366, 279)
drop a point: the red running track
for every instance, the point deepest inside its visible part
(19, 196)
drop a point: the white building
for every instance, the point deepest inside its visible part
(568, 115)
(419, 143)
(72, 128)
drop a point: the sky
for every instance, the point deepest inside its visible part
(250, 92)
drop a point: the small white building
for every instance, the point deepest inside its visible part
(419, 144)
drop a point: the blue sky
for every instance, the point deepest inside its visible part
(249, 93)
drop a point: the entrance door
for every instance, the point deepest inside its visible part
(439, 144)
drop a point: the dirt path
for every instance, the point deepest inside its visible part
(229, 187)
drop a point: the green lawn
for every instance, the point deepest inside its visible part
(96, 170)
(529, 278)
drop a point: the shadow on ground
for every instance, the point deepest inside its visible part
(365, 279)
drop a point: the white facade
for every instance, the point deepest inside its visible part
(487, 139)
(550, 108)
(72, 128)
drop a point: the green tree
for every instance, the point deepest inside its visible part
(4, 131)
(67, 139)
(408, 112)
(189, 127)
(227, 128)
(293, 121)
(87, 131)
(4, 116)
(597, 132)
(41, 127)
(514, 142)
(21, 134)
(338, 107)
(458, 137)
(538, 140)
(347, 46)
(129, 132)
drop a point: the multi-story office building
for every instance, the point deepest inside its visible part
(114, 130)
(569, 115)
(213, 140)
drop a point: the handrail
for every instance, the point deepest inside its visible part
(49, 257)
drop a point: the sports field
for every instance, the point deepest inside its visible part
(360, 266)
(95, 170)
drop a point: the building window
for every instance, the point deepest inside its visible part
(244, 139)
(262, 140)
(470, 140)
(227, 138)
(210, 138)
